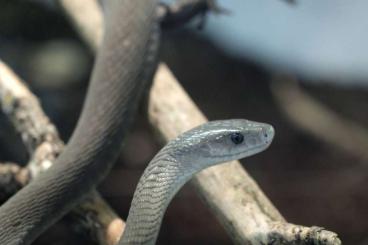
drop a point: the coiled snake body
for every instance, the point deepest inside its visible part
(123, 67)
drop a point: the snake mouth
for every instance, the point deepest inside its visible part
(253, 150)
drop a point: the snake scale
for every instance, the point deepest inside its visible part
(206, 145)
(123, 68)
(122, 71)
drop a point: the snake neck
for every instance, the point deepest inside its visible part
(161, 180)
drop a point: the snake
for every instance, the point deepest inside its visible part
(204, 146)
(123, 69)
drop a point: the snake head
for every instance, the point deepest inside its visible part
(221, 141)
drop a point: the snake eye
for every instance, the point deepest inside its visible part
(237, 138)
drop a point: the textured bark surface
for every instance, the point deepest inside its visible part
(44, 145)
(24, 111)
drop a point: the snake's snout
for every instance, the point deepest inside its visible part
(268, 133)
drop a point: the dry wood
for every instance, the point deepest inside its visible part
(44, 145)
(24, 111)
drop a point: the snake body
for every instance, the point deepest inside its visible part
(122, 69)
(209, 144)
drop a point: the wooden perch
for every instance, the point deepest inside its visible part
(44, 145)
(24, 111)
(234, 197)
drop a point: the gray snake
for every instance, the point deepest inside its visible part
(123, 67)
(119, 77)
(209, 144)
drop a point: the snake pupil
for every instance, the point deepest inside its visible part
(237, 138)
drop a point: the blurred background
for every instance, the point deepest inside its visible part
(300, 67)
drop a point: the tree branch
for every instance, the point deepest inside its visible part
(234, 197)
(24, 111)
(44, 145)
